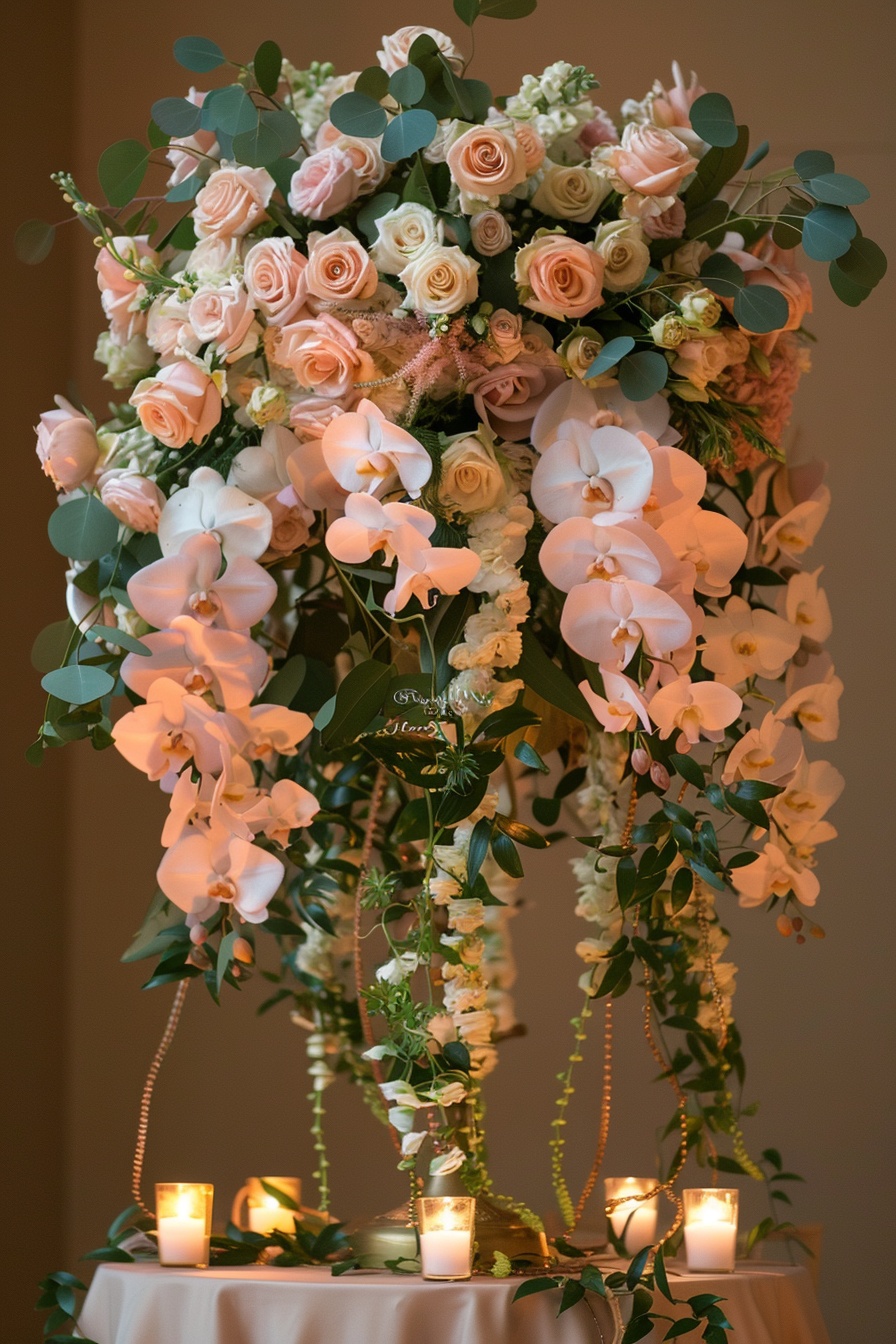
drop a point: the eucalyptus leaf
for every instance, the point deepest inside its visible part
(373, 81)
(722, 275)
(112, 635)
(846, 289)
(760, 308)
(78, 684)
(865, 263)
(186, 190)
(837, 189)
(828, 231)
(176, 116)
(51, 647)
(642, 375)
(34, 240)
(712, 117)
(408, 85)
(812, 162)
(258, 147)
(82, 528)
(759, 153)
(467, 11)
(407, 133)
(287, 127)
(610, 355)
(358, 114)
(121, 170)
(230, 110)
(506, 9)
(198, 54)
(372, 210)
(266, 66)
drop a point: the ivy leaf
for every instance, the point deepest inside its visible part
(712, 117)
(198, 54)
(828, 231)
(642, 375)
(121, 170)
(358, 114)
(176, 116)
(759, 308)
(266, 65)
(611, 354)
(407, 133)
(83, 529)
(34, 240)
(78, 684)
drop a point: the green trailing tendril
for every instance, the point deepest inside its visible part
(321, 1173)
(558, 1142)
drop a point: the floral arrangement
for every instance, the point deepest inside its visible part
(446, 482)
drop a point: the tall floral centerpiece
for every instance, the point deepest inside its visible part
(444, 509)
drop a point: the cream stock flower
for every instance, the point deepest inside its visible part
(440, 280)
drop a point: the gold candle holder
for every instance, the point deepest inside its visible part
(632, 1217)
(446, 1235)
(184, 1223)
(710, 1230)
(264, 1212)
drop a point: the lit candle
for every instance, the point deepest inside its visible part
(633, 1220)
(269, 1216)
(183, 1224)
(446, 1236)
(710, 1230)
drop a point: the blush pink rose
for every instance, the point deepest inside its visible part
(309, 417)
(667, 224)
(505, 332)
(339, 267)
(67, 446)
(275, 278)
(119, 286)
(323, 355)
(507, 398)
(564, 277)
(397, 46)
(136, 501)
(531, 144)
(598, 131)
(180, 155)
(486, 162)
(232, 202)
(224, 316)
(179, 405)
(651, 161)
(490, 233)
(325, 183)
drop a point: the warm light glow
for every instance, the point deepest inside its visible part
(713, 1211)
(184, 1206)
(270, 1202)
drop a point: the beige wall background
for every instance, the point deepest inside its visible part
(83, 833)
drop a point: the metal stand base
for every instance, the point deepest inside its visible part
(392, 1235)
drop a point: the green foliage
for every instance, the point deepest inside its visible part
(643, 375)
(407, 86)
(760, 308)
(837, 189)
(121, 170)
(34, 240)
(176, 116)
(712, 117)
(407, 133)
(198, 54)
(266, 67)
(358, 114)
(722, 275)
(358, 700)
(827, 232)
(83, 528)
(610, 354)
(78, 684)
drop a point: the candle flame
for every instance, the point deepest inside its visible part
(184, 1206)
(714, 1211)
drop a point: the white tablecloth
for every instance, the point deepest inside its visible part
(146, 1304)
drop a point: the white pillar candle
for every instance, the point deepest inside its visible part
(710, 1237)
(182, 1240)
(270, 1217)
(641, 1229)
(445, 1254)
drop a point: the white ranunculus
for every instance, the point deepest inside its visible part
(441, 280)
(403, 235)
(626, 255)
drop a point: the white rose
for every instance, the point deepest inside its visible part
(571, 193)
(268, 405)
(397, 45)
(472, 479)
(625, 254)
(442, 280)
(700, 308)
(403, 235)
(215, 260)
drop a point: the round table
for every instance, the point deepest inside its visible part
(149, 1304)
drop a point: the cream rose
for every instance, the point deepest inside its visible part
(181, 403)
(225, 317)
(651, 161)
(579, 351)
(275, 278)
(396, 48)
(701, 308)
(559, 276)
(490, 233)
(625, 253)
(325, 183)
(486, 162)
(403, 235)
(136, 501)
(442, 280)
(571, 193)
(232, 202)
(339, 267)
(472, 480)
(701, 361)
(168, 328)
(67, 446)
(323, 355)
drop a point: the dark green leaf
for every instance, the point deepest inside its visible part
(742, 860)
(637, 1329)
(83, 528)
(636, 1268)
(121, 170)
(408, 85)
(77, 684)
(706, 219)
(756, 788)
(230, 110)
(837, 189)
(682, 1327)
(773, 1157)
(546, 810)
(184, 191)
(828, 231)
(759, 308)
(372, 210)
(525, 752)
(531, 1286)
(33, 241)
(505, 855)
(225, 957)
(283, 1199)
(748, 808)
(625, 881)
(198, 54)
(478, 847)
(266, 66)
(417, 187)
(50, 649)
(847, 290)
(722, 275)
(358, 700)
(643, 375)
(467, 11)
(617, 973)
(374, 82)
(611, 354)
(708, 876)
(285, 684)
(506, 9)
(592, 1279)
(176, 116)
(547, 680)
(573, 1292)
(787, 230)
(358, 114)
(757, 156)
(689, 769)
(865, 263)
(717, 169)
(712, 117)
(457, 1055)
(110, 1255)
(662, 1279)
(812, 162)
(112, 635)
(407, 133)
(257, 147)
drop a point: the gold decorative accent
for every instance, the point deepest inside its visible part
(146, 1098)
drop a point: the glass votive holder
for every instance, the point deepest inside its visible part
(632, 1217)
(446, 1225)
(184, 1223)
(710, 1230)
(264, 1212)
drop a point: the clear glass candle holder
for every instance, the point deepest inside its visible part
(184, 1223)
(259, 1211)
(446, 1225)
(632, 1217)
(710, 1230)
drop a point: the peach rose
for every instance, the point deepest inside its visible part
(486, 162)
(505, 331)
(490, 233)
(136, 501)
(364, 153)
(771, 265)
(396, 48)
(179, 405)
(559, 276)
(701, 361)
(508, 397)
(531, 144)
(275, 278)
(226, 317)
(339, 267)
(232, 202)
(651, 161)
(120, 288)
(325, 183)
(66, 446)
(292, 523)
(324, 355)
